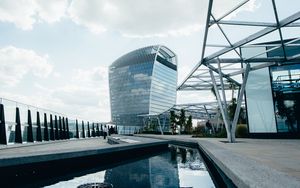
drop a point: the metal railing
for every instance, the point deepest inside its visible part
(22, 123)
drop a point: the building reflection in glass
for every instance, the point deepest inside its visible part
(285, 81)
(286, 93)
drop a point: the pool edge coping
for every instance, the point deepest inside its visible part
(241, 175)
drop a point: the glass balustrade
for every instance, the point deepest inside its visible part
(22, 123)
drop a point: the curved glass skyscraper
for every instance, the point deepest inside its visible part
(142, 82)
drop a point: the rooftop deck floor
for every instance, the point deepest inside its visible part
(252, 162)
(18, 154)
(248, 163)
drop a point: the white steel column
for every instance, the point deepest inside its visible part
(161, 131)
(221, 106)
(223, 93)
(222, 83)
(239, 102)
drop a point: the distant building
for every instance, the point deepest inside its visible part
(142, 82)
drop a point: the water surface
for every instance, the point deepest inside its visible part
(179, 167)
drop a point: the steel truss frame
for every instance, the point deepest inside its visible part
(216, 71)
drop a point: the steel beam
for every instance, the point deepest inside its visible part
(217, 46)
(239, 103)
(279, 29)
(161, 131)
(252, 68)
(264, 52)
(255, 36)
(221, 106)
(224, 75)
(293, 25)
(294, 58)
(232, 10)
(253, 60)
(224, 34)
(223, 90)
(206, 111)
(243, 23)
(210, 3)
(198, 88)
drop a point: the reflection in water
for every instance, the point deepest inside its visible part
(77, 181)
(192, 171)
(183, 154)
(156, 171)
(173, 151)
(181, 167)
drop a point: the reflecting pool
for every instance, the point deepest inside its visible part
(179, 167)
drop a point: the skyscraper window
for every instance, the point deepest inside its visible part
(142, 82)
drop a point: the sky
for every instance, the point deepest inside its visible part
(55, 54)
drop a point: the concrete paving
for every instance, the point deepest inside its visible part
(19, 154)
(248, 163)
(29, 149)
(252, 162)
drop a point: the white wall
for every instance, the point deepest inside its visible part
(259, 99)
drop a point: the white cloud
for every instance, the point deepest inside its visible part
(51, 10)
(133, 18)
(93, 76)
(18, 12)
(17, 62)
(143, 18)
(83, 102)
(90, 14)
(138, 18)
(57, 75)
(25, 13)
(86, 95)
(77, 95)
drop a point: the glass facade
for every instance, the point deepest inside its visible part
(286, 91)
(258, 96)
(142, 82)
(273, 93)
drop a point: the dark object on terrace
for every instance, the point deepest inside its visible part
(96, 185)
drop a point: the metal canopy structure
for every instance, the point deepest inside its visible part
(206, 110)
(228, 60)
(223, 66)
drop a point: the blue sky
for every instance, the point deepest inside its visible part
(55, 54)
